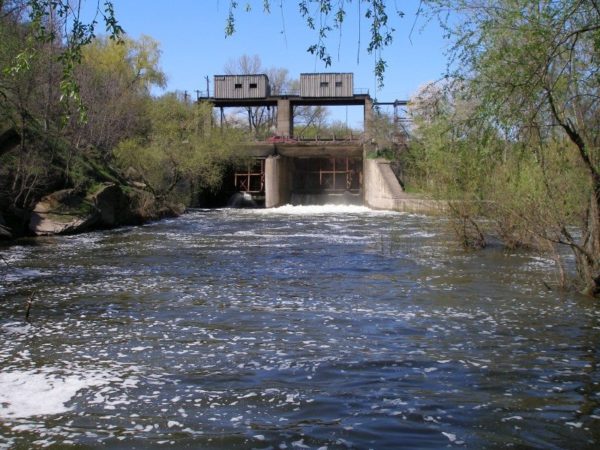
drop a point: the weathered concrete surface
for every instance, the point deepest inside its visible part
(383, 191)
(304, 149)
(278, 181)
(258, 150)
(285, 117)
(368, 118)
(333, 149)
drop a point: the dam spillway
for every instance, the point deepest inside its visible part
(286, 170)
(303, 173)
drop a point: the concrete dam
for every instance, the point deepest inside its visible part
(286, 170)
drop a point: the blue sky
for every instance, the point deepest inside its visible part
(191, 34)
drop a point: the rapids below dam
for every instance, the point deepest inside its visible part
(327, 327)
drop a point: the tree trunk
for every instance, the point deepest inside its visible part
(587, 256)
(588, 261)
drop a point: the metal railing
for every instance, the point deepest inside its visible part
(346, 137)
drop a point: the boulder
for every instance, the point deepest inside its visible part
(108, 205)
(5, 231)
(241, 200)
(113, 205)
(171, 210)
(63, 212)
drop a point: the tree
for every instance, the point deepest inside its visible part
(324, 17)
(115, 79)
(28, 109)
(60, 23)
(532, 70)
(178, 150)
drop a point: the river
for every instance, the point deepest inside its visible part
(293, 328)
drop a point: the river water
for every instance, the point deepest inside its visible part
(294, 328)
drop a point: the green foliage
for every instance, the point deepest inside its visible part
(115, 79)
(179, 149)
(134, 61)
(517, 130)
(535, 196)
(112, 78)
(47, 18)
(527, 193)
(531, 69)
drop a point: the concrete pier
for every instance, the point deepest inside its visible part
(278, 181)
(285, 117)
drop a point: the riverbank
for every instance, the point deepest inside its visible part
(70, 211)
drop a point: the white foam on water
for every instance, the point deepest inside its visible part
(28, 393)
(315, 210)
(23, 274)
(18, 328)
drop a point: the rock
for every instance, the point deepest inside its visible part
(143, 205)
(172, 210)
(5, 231)
(113, 205)
(241, 200)
(107, 206)
(63, 212)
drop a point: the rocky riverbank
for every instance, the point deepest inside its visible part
(69, 211)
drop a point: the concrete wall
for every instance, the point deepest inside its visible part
(368, 119)
(383, 191)
(278, 181)
(381, 188)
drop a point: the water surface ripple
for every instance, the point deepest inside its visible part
(289, 329)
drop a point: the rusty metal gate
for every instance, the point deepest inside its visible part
(327, 175)
(251, 179)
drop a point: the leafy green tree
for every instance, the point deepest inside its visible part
(61, 24)
(42, 43)
(115, 80)
(453, 157)
(180, 150)
(530, 69)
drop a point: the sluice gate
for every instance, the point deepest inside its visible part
(308, 180)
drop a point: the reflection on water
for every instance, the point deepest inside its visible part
(301, 327)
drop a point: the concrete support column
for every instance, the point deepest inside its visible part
(278, 181)
(368, 117)
(285, 118)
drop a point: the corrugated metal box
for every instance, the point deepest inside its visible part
(326, 84)
(241, 86)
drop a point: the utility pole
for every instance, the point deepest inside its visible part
(207, 85)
